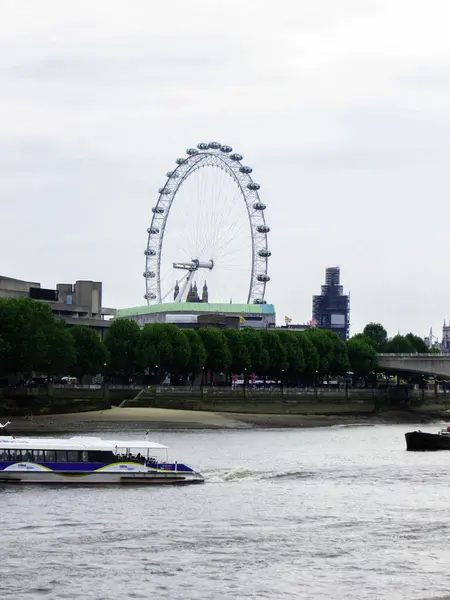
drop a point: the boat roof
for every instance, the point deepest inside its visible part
(76, 443)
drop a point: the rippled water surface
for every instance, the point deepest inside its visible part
(342, 512)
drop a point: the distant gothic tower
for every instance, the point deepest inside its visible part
(193, 294)
(205, 293)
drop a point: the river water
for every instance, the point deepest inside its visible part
(341, 512)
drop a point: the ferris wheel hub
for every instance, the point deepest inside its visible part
(194, 265)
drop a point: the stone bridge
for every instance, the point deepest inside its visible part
(428, 364)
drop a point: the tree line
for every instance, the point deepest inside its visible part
(32, 340)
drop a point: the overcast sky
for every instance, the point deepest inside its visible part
(341, 107)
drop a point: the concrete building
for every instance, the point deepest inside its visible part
(331, 309)
(77, 304)
(203, 314)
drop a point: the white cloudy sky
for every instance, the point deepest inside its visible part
(342, 108)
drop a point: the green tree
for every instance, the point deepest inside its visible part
(324, 348)
(240, 356)
(61, 350)
(364, 338)
(23, 325)
(197, 355)
(218, 357)
(377, 334)
(362, 356)
(91, 355)
(417, 343)
(278, 363)
(340, 363)
(163, 348)
(310, 355)
(399, 344)
(258, 354)
(121, 342)
(4, 351)
(294, 354)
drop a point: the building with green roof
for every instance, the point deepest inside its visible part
(202, 314)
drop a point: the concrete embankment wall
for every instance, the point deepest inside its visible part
(37, 401)
(66, 400)
(259, 402)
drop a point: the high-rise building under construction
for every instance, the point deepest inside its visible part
(331, 310)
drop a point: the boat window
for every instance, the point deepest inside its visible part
(27, 455)
(84, 456)
(4, 455)
(14, 454)
(72, 455)
(50, 455)
(101, 456)
(61, 456)
(38, 455)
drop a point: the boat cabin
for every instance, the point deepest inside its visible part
(78, 450)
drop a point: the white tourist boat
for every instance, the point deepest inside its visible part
(90, 460)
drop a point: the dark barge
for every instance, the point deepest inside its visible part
(421, 441)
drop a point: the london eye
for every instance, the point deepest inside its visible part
(208, 225)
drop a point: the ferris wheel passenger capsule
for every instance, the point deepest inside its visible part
(214, 145)
(158, 210)
(259, 206)
(226, 149)
(191, 151)
(149, 274)
(253, 186)
(180, 160)
(203, 146)
(263, 229)
(164, 191)
(265, 253)
(263, 277)
(236, 157)
(246, 170)
(259, 301)
(150, 296)
(150, 252)
(153, 230)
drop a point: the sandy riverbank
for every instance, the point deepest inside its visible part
(167, 419)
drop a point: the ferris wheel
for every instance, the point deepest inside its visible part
(216, 232)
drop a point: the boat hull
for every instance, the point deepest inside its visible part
(419, 441)
(79, 473)
(37, 477)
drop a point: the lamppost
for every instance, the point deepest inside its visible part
(203, 381)
(282, 382)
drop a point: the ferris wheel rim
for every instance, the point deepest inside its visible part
(233, 166)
